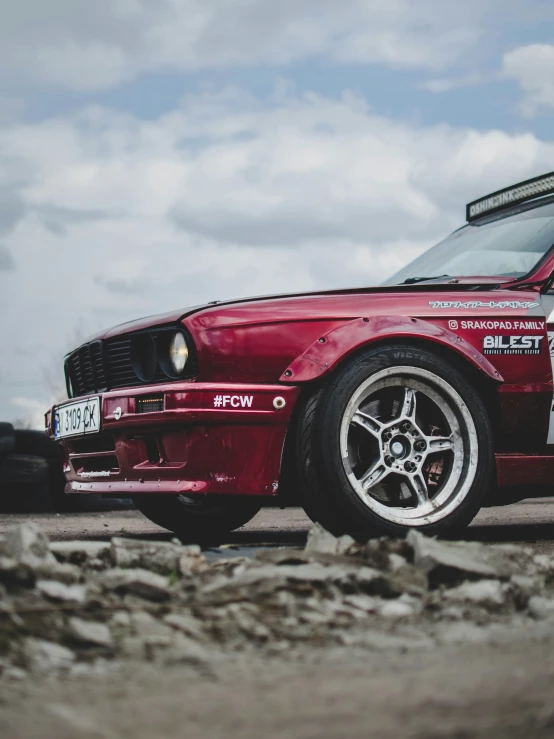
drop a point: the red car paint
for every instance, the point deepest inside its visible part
(224, 430)
(273, 347)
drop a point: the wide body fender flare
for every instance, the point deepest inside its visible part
(331, 348)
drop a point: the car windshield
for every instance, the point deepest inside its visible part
(507, 247)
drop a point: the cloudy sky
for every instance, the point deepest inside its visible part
(156, 154)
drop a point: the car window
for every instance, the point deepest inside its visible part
(505, 247)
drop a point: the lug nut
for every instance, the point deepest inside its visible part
(389, 461)
(409, 466)
(387, 435)
(420, 445)
(405, 426)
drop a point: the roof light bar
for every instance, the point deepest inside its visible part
(528, 190)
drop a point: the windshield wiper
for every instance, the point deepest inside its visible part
(413, 280)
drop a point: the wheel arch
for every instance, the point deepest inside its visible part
(318, 365)
(485, 385)
(339, 344)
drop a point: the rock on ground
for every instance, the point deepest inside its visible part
(76, 603)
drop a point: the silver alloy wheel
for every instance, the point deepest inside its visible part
(409, 446)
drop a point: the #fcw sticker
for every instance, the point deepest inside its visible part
(233, 401)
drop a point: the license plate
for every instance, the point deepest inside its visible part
(81, 417)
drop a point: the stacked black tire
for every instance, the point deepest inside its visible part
(31, 474)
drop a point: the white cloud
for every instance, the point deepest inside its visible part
(28, 410)
(223, 197)
(447, 84)
(88, 66)
(532, 67)
(85, 45)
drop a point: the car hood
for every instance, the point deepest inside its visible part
(316, 304)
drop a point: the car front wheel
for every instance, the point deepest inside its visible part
(197, 518)
(398, 439)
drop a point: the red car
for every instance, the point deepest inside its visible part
(377, 409)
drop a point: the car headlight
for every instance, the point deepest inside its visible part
(178, 353)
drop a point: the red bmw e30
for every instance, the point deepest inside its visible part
(377, 409)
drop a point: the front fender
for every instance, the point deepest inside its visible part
(331, 348)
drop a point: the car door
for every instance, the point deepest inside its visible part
(547, 303)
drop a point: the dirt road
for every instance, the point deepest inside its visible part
(500, 690)
(531, 521)
(494, 684)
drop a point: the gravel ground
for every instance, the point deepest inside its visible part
(496, 684)
(531, 521)
(503, 690)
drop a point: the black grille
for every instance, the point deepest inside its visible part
(97, 361)
(91, 444)
(110, 364)
(149, 404)
(119, 365)
(84, 370)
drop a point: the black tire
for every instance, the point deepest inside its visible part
(205, 518)
(24, 484)
(23, 468)
(36, 443)
(7, 439)
(330, 497)
(25, 498)
(56, 485)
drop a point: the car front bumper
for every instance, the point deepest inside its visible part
(182, 437)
